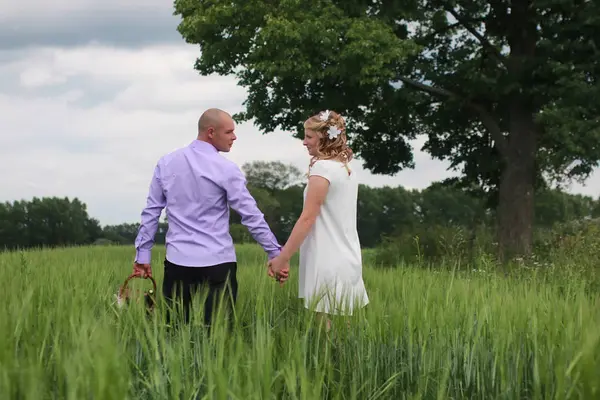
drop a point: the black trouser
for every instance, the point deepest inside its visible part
(180, 284)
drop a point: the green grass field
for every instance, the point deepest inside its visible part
(426, 334)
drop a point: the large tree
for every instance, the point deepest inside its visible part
(507, 91)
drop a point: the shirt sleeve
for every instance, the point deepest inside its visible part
(321, 169)
(155, 203)
(240, 199)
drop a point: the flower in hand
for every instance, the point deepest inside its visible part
(279, 268)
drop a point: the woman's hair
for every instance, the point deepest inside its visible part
(330, 128)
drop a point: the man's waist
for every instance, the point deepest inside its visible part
(199, 256)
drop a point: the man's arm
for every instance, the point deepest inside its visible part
(155, 203)
(244, 204)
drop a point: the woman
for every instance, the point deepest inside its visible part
(330, 277)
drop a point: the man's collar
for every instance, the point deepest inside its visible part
(203, 146)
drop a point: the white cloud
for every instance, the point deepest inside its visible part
(57, 139)
(35, 77)
(107, 64)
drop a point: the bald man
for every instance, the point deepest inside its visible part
(197, 185)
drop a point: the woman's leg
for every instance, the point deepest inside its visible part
(324, 318)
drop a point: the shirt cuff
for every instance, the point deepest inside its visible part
(274, 253)
(143, 257)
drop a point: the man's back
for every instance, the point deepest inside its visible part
(197, 185)
(196, 206)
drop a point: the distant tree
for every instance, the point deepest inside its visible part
(368, 221)
(398, 210)
(122, 233)
(554, 206)
(274, 186)
(93, 229)
(127, 232)
(290, 207)
(10, 234)
(267, 204)
(239, 233)
(441, 204)
(271, 175)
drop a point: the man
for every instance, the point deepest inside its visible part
(197, 185)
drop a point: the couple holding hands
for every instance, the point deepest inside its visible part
(197, 185)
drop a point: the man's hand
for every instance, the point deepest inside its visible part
(142, 270)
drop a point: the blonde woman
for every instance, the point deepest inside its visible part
(330, 276)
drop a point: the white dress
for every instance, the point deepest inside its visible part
(330, 275)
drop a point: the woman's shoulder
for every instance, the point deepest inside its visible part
(330, 169)
(328, 163)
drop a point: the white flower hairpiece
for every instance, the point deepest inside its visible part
(333, 132)
(324, 116)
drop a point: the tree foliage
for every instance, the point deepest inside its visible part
(507, 91)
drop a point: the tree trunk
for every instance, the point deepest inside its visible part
(516, 191)
(515, 208)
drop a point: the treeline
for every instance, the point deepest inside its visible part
(383, 213)
(59, 222)
(395, 212)
(46, 222)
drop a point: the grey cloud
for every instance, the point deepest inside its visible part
(90, 93)
(110, 27)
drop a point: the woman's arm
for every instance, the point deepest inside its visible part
(315, 197)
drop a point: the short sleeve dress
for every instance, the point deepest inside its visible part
(330, 276)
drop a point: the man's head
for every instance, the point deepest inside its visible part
(217, 128)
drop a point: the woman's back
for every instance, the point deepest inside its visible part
(338, 213)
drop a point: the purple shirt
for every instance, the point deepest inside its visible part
(197, 185)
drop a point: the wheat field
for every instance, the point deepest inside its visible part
(426, 334)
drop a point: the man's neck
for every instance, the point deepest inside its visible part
(204, 140)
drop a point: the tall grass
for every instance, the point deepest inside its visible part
(425, 335)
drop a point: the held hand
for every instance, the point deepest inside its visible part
(279, 269)
(281, 277)
(142, 270)
(279, 266)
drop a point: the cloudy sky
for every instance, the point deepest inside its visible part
(92, 93)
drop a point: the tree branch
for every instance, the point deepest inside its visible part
(485, 116)
(426, 88)
(484, 42)
(450, 27)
